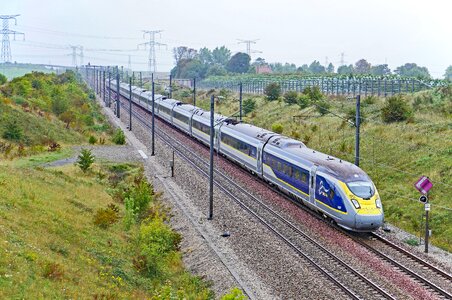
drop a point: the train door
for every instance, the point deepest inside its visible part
(259, 160)
(312, 184)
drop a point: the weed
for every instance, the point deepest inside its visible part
(119, 138)
(249, 105)
(53, 271)
(13, 131)
(277, 128)
(92, 140)
(54, 146)
(291, 97)
(412, 242)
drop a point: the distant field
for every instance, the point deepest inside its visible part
(16, 70)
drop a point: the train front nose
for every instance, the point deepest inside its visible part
(368, 222)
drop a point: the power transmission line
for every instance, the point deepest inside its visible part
(6, 46)
(248, 46)
(152, 43)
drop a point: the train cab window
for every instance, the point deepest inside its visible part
(331, 194)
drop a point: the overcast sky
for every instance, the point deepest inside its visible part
(392, 31)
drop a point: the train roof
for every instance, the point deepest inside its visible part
(204, 115)
(185, 107)
(334, 166)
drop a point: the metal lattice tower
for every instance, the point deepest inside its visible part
(248, 46)
(81, 55)
(129, 63)
(6, 46)
(342, 62)
(74, 55)
(152, 43)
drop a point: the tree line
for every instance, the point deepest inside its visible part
(202, 63)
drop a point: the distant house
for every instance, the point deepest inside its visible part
(263, 69)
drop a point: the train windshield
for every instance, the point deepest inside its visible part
(362, 189)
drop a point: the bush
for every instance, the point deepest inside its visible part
(396, 110)
(234, 294)
(119, 138)
(248, 106)
(351, 115)
(322, 107)
(156, 242)
(12, 131)
(313, 93)
(105, 217)
(137, 200)
(277, 128)
(3, 79)
(85, 159)
(303, 101)
(272, 91)
(369, 100)
(92, 140)
(291, 97)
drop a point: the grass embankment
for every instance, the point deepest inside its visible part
(64, 236)
(46, 113)
(394, 154)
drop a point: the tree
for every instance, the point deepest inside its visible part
(272, 91)
(67, 117)
(216, 70)
(239, 63)
(412, 70)
(291, 97)
(85, 160)
(221, 55)
(248, 106)
(316, 68)
(205, 56)
(330, 69)
(189, 68)
(448, 74)
(362, 67)
(183, 52)
(380, 70)
(344, 70)
(13, 131)
(303, 69)
(259, 61)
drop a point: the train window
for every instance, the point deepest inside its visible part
(287, 170)
(297, 174)
(280, 168)
(253, 151)
(304, 177)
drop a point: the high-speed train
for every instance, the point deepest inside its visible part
(337, 189)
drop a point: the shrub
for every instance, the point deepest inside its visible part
(369, 100)
(53, 146)
(3, 79)
(248, 105)
(234, 294)
(291, 97)
(53, 271)
(277, 128)
(105, 217)
(85, 159)
(138, 198)
(92, 140)
(313, 93)
(303, 101)
(396, 110)
(351, 115)
(12, 131)
(272, 91)
(119, 138)
(156, 242)
(322, 107)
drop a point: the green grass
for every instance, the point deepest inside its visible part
(51, 248)
(42, 158)
(394, 155)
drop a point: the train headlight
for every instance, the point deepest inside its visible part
(356, 204)
(378, 203)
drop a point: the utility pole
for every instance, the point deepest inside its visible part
(152, 43)
(170, 86)
(130, 104)
(153, 121)
(248, 46)
(141, 79)
(240, 99)
(129, 63)
(342, 62)
(118, 113)
(357, 125)
(194, 91)
(6, 46)
(212, 133)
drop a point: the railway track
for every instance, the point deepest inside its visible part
(350, 281)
